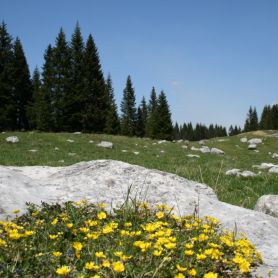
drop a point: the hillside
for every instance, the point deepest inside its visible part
(60, 149)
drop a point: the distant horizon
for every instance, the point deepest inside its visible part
(212, 59)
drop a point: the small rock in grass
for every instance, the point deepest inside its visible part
(154, 143)
(77, 132)
(195, 149)
(248, 174)
(179, 141)
(70, 140)
(216, 151)
(252, 147)
(162, 151)
(255, 141)
(105, 144)
(56, 149)
(243, 140)
(162, 142)
(264, 166)
(275, 155)
(202, 142)
(91, 141)
(233, 172)
(184, 147)
(193, 155)
(12, 139)
(61, 161)
(256, 151)
(205, 149)
(33, 151)
(71, 154)
(136, 153)
(273, 169)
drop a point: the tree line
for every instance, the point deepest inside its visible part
(71, 93)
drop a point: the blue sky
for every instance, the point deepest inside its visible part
(213, 58)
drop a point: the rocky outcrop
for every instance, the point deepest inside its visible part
(105, 144)
(268, 204)
(109, 181)
(12, 139)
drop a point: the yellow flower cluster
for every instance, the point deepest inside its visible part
(83, 240)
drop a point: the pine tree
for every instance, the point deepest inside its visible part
(164, 122)
(176, 132)
(48, 88)
(96, 99)
(144, 109)
(112, 121)
(74, 99)
(274, 114)
(38, 108)
(139, 123)
(247, 125)
(151, 128)
(61, 83)
(7, 105)
(254, 120)
(22, 87)
(128, 117)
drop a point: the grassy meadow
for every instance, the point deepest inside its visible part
(53, 149)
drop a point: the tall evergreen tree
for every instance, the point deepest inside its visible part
(96, 98)
(164, 122)
(74, 99)
(128, 117)
(151, 125)
(254, 120)
(139, 123)
(247, 125)
(22, 87)
(274, 114)
(7, 105)
(48, 87)
(61, 82)
(266, 118)
(38, 108)
(144, 109)
(112, 121)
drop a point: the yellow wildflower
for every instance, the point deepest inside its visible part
(54, 222)
(160, 214)
(179, 275)
(188, 252)
(181, 268)
(64, 270)
(210, 275)
(77, 246)
(56, 254)
(118, 266)
(192, 272)
(106, 263)
(100, 255)
(101, 215)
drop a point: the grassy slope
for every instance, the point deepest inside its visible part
(209, 169)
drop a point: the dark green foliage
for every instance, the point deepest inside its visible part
(74, 96)
(251, 122)
(269, 117)
(163, 124)
(38, 108)
(234, 130)
(7, 105)
(128, 117)
(112, 121)
(96, 99)
(22, 87)
(151, 129)
(139, 127)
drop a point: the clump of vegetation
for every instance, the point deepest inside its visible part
(80, 239)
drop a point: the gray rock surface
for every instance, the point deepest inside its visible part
(105, 144)
(12, 139)
(193, 155)
(238, 173)
(275, 155)
(268, 204)
(273, 169)
(205, 149)
(108, 181)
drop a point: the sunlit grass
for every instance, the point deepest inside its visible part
(53, 149)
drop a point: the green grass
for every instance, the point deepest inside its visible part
(209, 168)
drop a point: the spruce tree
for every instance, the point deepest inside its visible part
(151, 127)
(48, 87)
(247, 125)
(7, 104)
(144, 109)
(274, 116)
(164, 122)
(139, 124)
(38, 108)
(74, 99)
(112, 121)
(176, 132)
(22, 87)
(254, 120)
(96, 98)
(128, 117)
(61, 83)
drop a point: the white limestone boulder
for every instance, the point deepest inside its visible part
(12, 139)
(105, 144)
(273, 170)
(240, 173)
(217, 151)
(252, 147)
(243, 140)
(233, 172)
(109, 181)
(255, 141)
(205, 149)
(274, 155)
(268, 204)
(193, 155)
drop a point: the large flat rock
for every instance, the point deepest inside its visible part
(109, 181)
